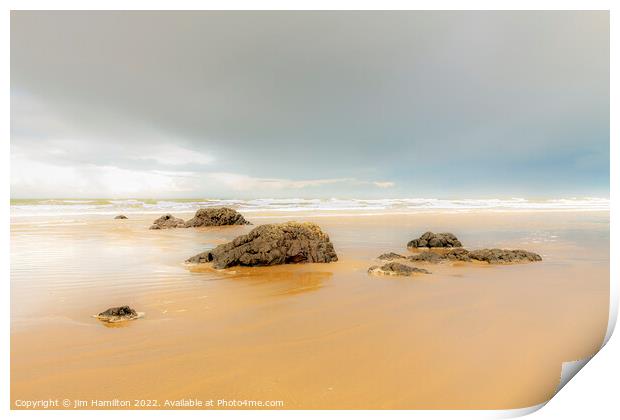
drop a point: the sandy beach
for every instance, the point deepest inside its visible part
(163, 163)
(314, 336)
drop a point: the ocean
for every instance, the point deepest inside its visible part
(76, 207)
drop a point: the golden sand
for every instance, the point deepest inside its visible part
(316, 336)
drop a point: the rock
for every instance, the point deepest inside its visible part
(492, 256)
(457, 254)
(121, 216)
(272, 244)
(202, 258)
(396, 269)
(435, 240)
(220, 216)
(168, 221)
(391, 256)
(453, 254)
(118, 314)
(427, 256)
(503, 256)
(217, 216)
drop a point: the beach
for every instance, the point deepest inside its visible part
(453, 168)
(314, 336)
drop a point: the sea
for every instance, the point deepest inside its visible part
(104, 206)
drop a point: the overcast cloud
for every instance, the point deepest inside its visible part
(309, 104)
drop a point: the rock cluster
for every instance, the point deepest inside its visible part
(452, 251)
(435, 240)
(272, 244)
(396, 269)
(118, 314)
(214, 216)
(491, 256)
(121, 216)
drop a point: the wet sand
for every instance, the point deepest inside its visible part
(316, 336)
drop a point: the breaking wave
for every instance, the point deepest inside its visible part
(58, 207)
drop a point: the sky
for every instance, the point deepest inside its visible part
(309, 104)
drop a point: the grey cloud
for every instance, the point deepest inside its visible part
(414, 98)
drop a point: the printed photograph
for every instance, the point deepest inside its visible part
(303, 210)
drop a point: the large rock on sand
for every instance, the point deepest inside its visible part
(272, 244)
(396, 269)
(221, 216)
(168, 221)
(121, 216)
(435, 240)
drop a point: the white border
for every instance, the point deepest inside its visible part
(603, 382)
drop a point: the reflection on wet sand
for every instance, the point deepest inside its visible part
(279, 280)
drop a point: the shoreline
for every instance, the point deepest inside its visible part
(301, 207)
(304, 213)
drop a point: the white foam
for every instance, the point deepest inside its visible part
(26, 208)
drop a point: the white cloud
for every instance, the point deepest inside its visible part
(31, 178)
(383, 184)
(167, 154)
(241, 182)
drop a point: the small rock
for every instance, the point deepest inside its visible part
(427, 256)
(201, 258)
(272, 244)
(396, 269)
(503, 256)
(457, 254)
(390, 256)
(118, 314)
(121, 216)
(168, 221)
(435, 240)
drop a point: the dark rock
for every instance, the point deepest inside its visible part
(272, 244)
(201, 258)
(427, 256)
(217, 216)
(492, 256)
(396, 269)
(220, 216)
(435, 240)
(457, 254)
(118, 314)
(391, 256)
(454, 254)
(121, 216)
(168, 221)
(503, 256)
